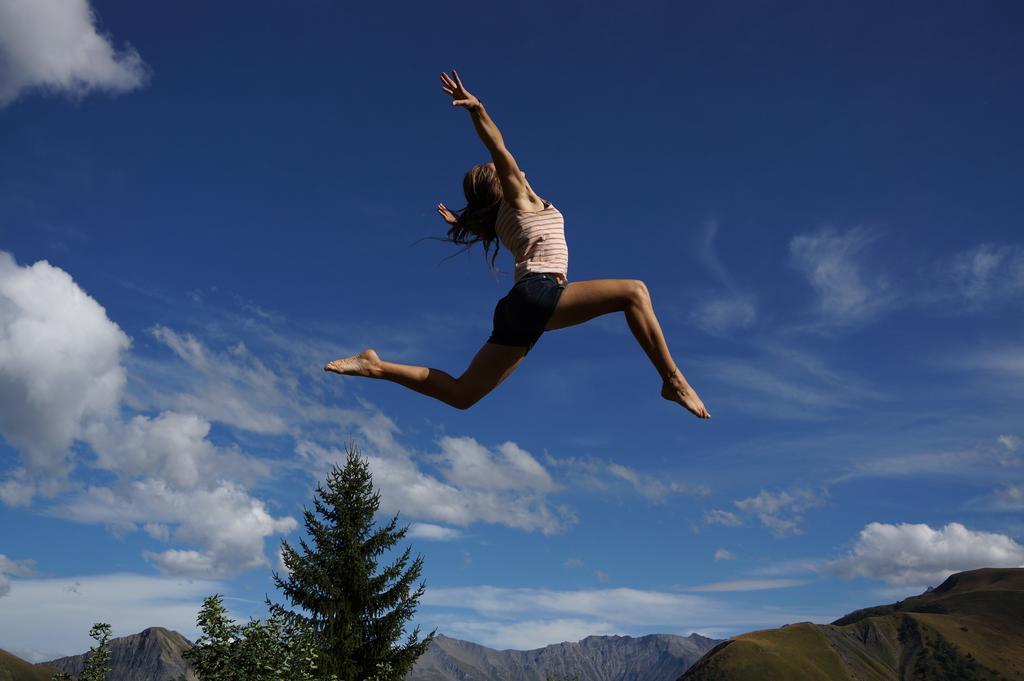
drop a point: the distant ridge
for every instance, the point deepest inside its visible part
(658, 657)
(156, 655)
(970, 628)
(151, 655)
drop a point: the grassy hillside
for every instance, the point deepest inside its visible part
(16, 669)
(971, 628)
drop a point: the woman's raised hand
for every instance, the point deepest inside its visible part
(448, 216)
(452, 85)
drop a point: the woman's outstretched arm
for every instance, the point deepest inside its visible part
(513, 183)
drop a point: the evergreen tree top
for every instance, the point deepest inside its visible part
(338, 589)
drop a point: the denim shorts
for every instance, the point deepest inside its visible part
(520, 317)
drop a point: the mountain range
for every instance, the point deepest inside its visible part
(658, 657)
(970, 628)
(156, 655)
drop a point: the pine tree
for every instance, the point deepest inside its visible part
(358, 611)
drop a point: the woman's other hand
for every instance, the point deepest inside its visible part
(448, 216)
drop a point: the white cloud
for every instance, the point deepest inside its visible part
(220, 517)
(602, 576)
(62, 381)
(781, 512)
(724, 554)
(53, 45)
(748, 585)
(719, 517)
(172, 447)
(431, 532)
(988, 273)
(469, 465)
(831, 262)
(56, 613)
(916, 555)
(505, 486)
(60, 367)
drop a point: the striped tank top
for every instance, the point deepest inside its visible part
(536, 239)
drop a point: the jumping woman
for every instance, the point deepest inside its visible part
(502, 207)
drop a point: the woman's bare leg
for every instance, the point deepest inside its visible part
(583, 300)
(491, 365)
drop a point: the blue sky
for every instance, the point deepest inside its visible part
(201, 203)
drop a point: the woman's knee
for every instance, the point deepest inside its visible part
(638, 293)
(463, 402)
(464, 397)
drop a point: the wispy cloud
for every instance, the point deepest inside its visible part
(654, 488)
(782, 512)
(719, 517)
(1006, 361)
(498, 616)
(832, 262)
(54, 46)
(988, 273)
(1010, 498)
(986, 460)
(601, 475)
(1005, 498)
(785, 382)
(431, 532)
(748, 585)
(1010, 441)
(729, 307)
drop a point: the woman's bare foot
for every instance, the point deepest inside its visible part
(363, 364)
(676, 389)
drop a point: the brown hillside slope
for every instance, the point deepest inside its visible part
(971, 628)
(13, 668)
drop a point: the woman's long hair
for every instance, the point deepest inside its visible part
(476, 222)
